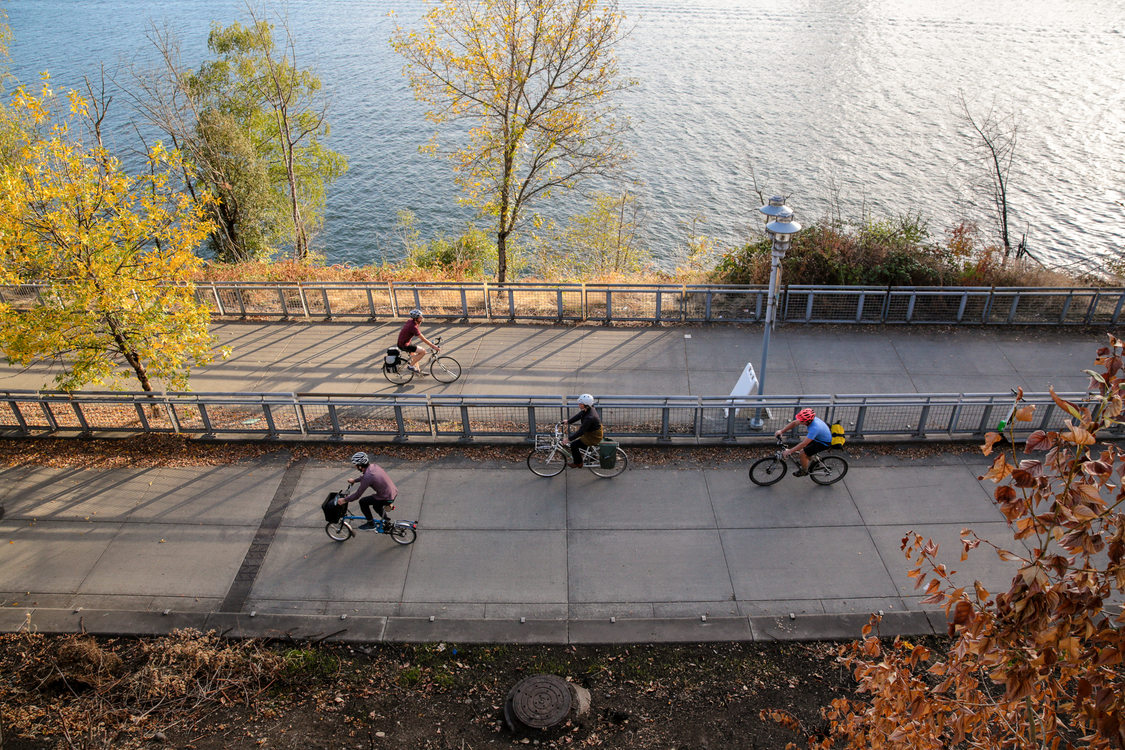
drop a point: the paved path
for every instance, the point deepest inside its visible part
(706, 361)
(656, 553)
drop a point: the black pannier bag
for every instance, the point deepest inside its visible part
(391, 357)
(333, 512)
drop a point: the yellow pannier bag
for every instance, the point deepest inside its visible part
(837, 435)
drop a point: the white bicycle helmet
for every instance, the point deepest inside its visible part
(361, 459)
(586, 399)
(415, 313)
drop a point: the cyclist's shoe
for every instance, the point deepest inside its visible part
(797, 473)
(369, 526)
(412, 368)
(575, 466)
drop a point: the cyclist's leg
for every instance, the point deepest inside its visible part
(365, 504)
(576, 447)
(413, 355)
(811, 450)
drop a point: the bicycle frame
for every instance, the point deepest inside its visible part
(555, 443)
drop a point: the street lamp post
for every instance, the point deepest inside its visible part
(781, 230)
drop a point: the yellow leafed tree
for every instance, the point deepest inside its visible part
(115, 251)
(535, 81)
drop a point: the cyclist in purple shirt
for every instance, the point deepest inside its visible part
(374, 477)
(818, 437)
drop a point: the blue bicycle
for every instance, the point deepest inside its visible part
(401, 532)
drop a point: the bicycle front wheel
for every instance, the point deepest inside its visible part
(620, 466)
(767, 471)
(547, 462)
(403, 534)
(831, 470)
(445, 369)
(398, 374)
(340, 531)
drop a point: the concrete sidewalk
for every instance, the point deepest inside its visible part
(702, 361)
(655, 554)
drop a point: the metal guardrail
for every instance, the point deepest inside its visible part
(437, 418)
(647, 303)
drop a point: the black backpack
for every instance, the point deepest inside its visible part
(333, 512)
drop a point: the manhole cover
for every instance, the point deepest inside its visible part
(540, 701)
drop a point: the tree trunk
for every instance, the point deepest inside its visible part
(501, 256)
(129, 354)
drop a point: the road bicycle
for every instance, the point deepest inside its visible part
(822, 469)
(444, 369)
(401, 532)
(549, 456)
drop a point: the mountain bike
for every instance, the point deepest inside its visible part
(401, 532)
(549, 456)
(822, 469)
(396, 366)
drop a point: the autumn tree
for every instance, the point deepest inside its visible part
(605, 240)
(116, 249)
(253, 124)
(536, 82)
(1040, 664)
(223, 155)
(284, 106)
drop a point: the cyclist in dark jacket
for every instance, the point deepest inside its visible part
(589, 430)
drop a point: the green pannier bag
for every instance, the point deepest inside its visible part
(607, 454)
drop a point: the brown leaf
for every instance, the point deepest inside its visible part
(962, 612)
(1078, 435)
(1000, 469)
(1065, 405)
(1039, 441)
(990, 439)
(1025, 413)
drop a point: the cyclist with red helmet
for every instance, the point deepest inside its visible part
(818, 437)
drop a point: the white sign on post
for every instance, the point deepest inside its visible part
(747, 384)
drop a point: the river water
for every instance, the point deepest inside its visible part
(847, 106)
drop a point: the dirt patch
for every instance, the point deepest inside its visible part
(195, 691)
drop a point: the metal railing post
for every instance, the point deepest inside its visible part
(400, 422)
(141, 416)
(268, 409)
(81, 417)
(861, 415)
(19, 416)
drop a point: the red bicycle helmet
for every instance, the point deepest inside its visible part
(806, 415)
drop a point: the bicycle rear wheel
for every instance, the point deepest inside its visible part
(445, 369)
(620, 466)
(831, 470)
(547, 462)
(398, 374)
(403, 534)
(767, 471)
(341, 531)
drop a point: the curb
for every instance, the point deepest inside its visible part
(377, 629)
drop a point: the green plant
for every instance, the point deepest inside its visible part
(308, 663)
(409, 677)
